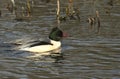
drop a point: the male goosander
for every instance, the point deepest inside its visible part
(55, 37)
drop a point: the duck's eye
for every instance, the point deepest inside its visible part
(60, 34)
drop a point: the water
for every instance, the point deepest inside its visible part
(85, 54)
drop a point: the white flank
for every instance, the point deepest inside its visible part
(43, 48)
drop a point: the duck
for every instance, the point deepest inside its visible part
(55, 37)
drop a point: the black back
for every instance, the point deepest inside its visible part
(37, 43)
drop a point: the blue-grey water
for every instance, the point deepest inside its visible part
(85, 54)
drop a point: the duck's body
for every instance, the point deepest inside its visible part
(42, 46)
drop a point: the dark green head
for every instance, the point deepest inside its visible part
(56, 34)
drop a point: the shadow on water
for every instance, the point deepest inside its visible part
(85, 54)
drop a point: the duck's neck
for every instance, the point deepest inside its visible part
(56, 43)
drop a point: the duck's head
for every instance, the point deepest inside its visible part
(56, 34)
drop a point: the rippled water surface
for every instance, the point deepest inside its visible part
(85, 54)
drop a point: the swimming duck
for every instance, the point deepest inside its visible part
(55, 38)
